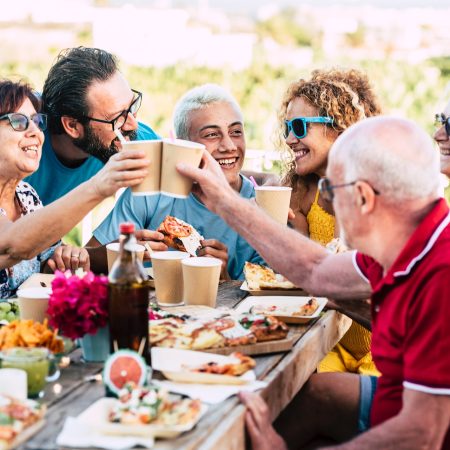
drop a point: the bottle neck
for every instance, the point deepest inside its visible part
(128, 247)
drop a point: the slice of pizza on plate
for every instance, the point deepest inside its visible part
(262, 277)
(180, 235)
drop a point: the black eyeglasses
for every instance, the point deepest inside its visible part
(440, 120)
(118, 122)
(326, 188)
(21, 122)
(298, 125)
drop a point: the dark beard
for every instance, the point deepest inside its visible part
(91, 144)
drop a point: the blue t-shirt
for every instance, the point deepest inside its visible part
(147, 212)
(53, 179)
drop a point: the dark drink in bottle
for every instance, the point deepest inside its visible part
(128, 293)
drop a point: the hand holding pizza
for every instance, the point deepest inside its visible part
(152, 238)
(216, 249)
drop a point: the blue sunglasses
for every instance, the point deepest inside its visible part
(298, 125)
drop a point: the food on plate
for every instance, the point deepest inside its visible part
(28, 333)
(336, 246)
(151, 405)
(307, 309)
(9, 311)
(180, 235)
(123, 367)
(262, 277)
(204, 333)
(15, 417)
(241, 365)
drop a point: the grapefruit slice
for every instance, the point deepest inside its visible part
(122, 367)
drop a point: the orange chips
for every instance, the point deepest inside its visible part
(28, 333)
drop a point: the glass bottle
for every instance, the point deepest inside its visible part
(128, 293)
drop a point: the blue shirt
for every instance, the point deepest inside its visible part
(147, 212)
(53, 179)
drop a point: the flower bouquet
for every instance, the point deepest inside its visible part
(78, 307)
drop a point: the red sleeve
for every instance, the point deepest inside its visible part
(368, 268)
(426, 356)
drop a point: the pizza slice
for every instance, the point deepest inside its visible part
(264, 328)
(308, 309)
(262, 277)
(180, 235)
(237, 365)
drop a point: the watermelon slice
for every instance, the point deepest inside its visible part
(122, 367)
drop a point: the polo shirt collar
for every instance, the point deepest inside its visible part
(421, 241)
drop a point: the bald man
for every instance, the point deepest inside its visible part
(382, 178)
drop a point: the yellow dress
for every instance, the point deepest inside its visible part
(352, 353)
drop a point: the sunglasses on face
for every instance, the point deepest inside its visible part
(119, 121)
(298, 125)
(21, 122)
(440, 120)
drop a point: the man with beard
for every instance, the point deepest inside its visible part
(86, 99)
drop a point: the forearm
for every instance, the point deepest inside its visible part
(33, 233)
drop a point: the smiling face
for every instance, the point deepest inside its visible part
(107, 99)
(443, 140)
(21, 150)
(219, 126)
(310, 152)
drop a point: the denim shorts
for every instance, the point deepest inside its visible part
(368, 385)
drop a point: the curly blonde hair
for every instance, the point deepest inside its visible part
(344, 95)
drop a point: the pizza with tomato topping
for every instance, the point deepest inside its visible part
(238, 365)
(180, 235)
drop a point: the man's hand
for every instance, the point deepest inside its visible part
(153, 239)
(259, 425)
(212, 185)
(71, 258)
(216, 249)
(126, 168)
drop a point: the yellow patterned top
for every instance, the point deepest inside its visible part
(352, 353)
(320, 223)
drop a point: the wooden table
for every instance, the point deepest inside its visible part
(223, 426)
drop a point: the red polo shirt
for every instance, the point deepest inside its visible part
(411, 315)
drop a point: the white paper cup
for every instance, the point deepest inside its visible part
(113, 249)
(275, 201)
(33, 303)
(176, 151)
(153, 149)
(201, 280)
(168, 277)
(13, 382)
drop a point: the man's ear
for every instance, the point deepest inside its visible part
(365, 197)
(72, 127)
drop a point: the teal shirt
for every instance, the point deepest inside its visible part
(53, 179)
(147, 212)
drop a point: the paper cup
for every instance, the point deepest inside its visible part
(168, 277)
(13, 382)
(176, 151)
(33, 303)
(275, 200)
(201, 280)
(150, 184)
(113, 249)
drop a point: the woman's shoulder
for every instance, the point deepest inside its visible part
(28, 197)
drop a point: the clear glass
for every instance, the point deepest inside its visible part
(34, 361)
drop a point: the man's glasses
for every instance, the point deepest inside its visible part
(298, 125)
(118, 122)
(440, 120)
(326, 188)
(21, 122)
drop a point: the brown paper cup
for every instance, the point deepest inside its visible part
(150, 184)
(112, 252)
(176, 151)
(275, 200)
(33, 303)
(168, 277)
(201, 280)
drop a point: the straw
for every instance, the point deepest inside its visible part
(148, 248)
(255, 184)
(115, 346)
(120, 136)
(171, 135)
(141, 346)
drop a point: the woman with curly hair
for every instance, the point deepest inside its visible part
(313, 114)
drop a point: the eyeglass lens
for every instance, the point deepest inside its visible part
(441, 120)
(298, 127)
(133, 109)
(20, 122)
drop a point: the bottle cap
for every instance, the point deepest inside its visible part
(126, 227)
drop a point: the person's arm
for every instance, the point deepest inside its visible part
(301, 260)
(422, 423)
(32, 233)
